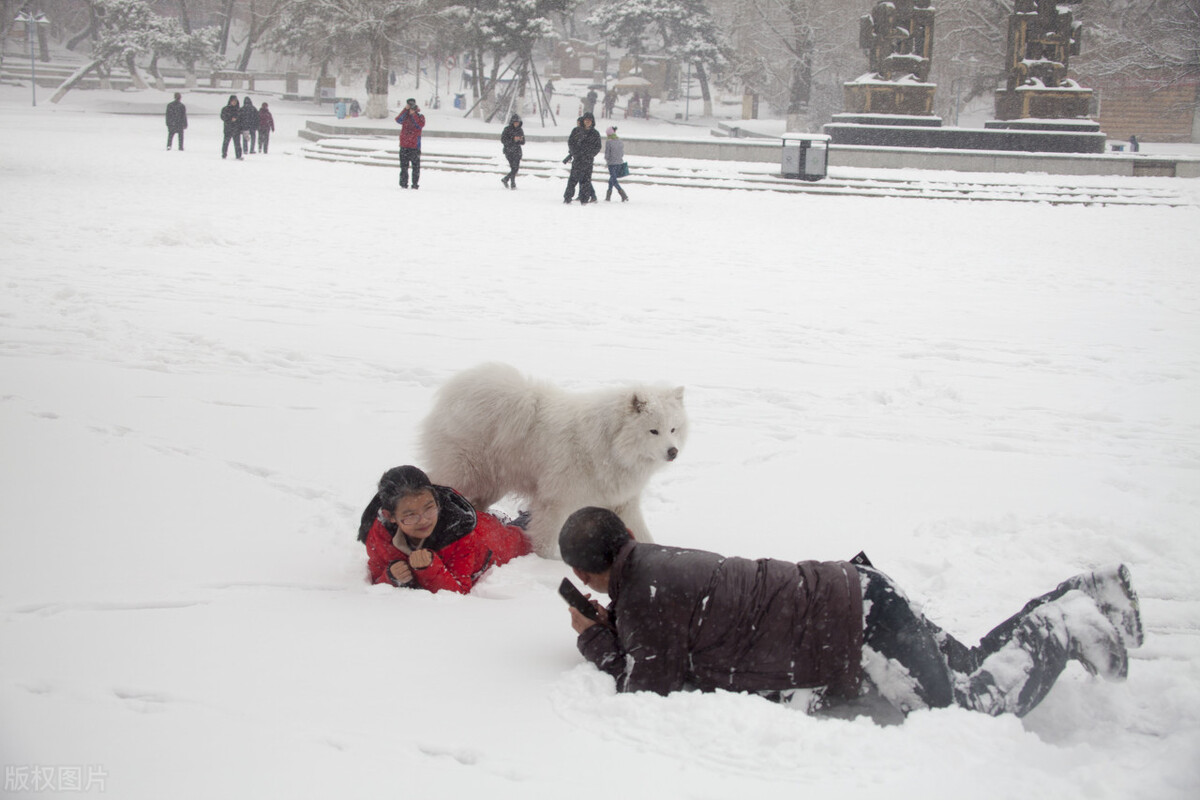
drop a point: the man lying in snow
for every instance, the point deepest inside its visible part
(692, 619)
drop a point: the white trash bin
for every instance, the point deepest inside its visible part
(805, 156)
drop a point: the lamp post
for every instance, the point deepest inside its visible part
(687, 93)
(32, 20)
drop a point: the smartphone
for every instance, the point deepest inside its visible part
(575, 599)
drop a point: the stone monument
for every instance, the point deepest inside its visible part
(1039, 110)
(1042, 36)
(898, 39)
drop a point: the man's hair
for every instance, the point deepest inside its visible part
(591, 538)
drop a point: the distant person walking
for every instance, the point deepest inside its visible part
(176, 120)
(610, 103)
(614, 158)
(249, 124)
(266, 125)
(233, 128)
(512, 139)
(583, 145)
(412, 122)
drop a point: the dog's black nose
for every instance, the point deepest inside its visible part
(671, 453)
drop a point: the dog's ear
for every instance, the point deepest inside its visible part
(678, 392)
(638, 405)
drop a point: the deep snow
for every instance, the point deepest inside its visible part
(206, 365)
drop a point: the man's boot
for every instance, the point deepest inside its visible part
(1013, 667)
(1112, 589)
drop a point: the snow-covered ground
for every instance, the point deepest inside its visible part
(205, 365)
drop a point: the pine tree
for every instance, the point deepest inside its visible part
(684, 29)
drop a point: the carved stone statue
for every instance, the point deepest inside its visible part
(898, 38)
(1042, 36)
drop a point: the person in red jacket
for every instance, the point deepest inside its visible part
(412, 122)
(266, 126)
(423, 536)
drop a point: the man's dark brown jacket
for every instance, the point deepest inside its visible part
(694, 619)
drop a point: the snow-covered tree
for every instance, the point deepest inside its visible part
(497, 32)
(261, 16)
(684, 29)
(356, 34)
(691, 36)
(170, 39)
(1157, 40)
(126, 29)
(796, 53)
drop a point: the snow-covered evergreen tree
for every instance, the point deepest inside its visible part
(684, 29)
(126, 29)
(497, 32)
(356, 34)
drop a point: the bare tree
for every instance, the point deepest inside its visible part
(1153, 41)
(797, 53)
(263, 15)
(971, 39)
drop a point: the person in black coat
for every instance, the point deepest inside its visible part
(230, 116)
(249, 123)
(176, 120)
(512, 139)
(684, 619)
(583, 144)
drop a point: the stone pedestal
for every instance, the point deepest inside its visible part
(889, 97)
(1036, 102)
(1027, 135)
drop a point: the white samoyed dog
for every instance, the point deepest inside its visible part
(493, 432)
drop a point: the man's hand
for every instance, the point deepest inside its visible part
(420, 559)
(580, 622)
